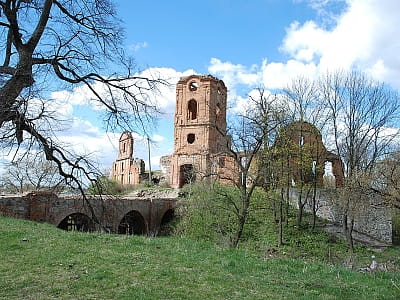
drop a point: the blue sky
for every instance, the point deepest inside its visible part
(249, 44)
(187, 34)
(246, 43)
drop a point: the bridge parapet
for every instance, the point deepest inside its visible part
(104, 213)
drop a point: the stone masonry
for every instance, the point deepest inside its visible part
(137, 214)
(303, 137)
(200, 140)
(373, 220)
(127, 169)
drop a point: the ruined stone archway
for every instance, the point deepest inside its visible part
(165, 228)
(132, 223)
(77, 222)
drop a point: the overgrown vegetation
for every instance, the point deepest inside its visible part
(107, 186)
(42, 262)
(207, 215)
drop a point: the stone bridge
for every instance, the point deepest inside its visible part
(127, 215)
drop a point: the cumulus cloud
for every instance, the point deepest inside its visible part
(163, 97)
(363, 38)
(158, 138)
(83, 137)
(360, 35)
(235, 76)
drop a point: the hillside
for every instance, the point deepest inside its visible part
(42, 262)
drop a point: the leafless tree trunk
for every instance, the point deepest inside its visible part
(363, 115)
(56, 45)
(254, 127)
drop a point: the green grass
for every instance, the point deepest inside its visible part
(39, 261)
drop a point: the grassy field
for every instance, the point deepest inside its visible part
(39, 261)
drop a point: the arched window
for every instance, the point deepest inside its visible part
(192, 109)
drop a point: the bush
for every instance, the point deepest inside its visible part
(207, 214)
(105, 186)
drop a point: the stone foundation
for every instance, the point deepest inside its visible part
(373, 219)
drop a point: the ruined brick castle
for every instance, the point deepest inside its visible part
(200, 140)
(127, 169)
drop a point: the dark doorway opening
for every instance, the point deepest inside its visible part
(77, 222)
(186, 175)
(132, 223)
(166, 223)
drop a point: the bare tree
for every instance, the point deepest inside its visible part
(386, 179)
(303, 101)
(31, 173)
(362, 116)
(61, 44)
(362, 119)
(250, 134)
(305, 105)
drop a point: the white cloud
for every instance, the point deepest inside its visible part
(140, 45)
(165, 97)
(279, 75)
(364, 37)
(158, 138)
(234, 76)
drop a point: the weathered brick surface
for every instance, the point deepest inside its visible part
(199, 129)
(302, 138)
(126, 169)
(108, 211)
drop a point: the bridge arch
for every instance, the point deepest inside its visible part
(165, 228)
(132, 223)
(77, 222)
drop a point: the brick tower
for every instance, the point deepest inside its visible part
(199, 129)
(126, 169)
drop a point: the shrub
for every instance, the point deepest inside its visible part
(105, 186)
(207, 214)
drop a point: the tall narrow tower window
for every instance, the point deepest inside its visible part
(192, 109)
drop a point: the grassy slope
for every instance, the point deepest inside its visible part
(39, 261)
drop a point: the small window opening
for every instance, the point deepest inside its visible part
(193, 86)
(191, 138)
(314, 167)
(221, 162)
(301, 141)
